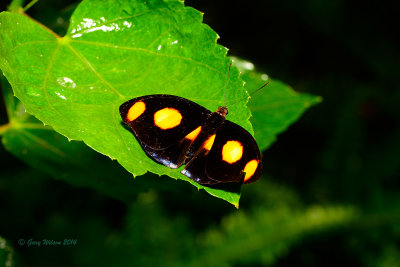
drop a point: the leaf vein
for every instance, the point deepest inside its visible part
(92, 69)
(114, 20)
(30, 42)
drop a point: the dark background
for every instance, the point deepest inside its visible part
(347, 149)
(342, 151)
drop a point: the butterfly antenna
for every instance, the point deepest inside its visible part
(227, 80)
(246, 97)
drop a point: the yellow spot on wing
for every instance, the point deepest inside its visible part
(167, 118)
(209, 142)
(193, 134)
(136, 110)
(250, 169)
(232, 151)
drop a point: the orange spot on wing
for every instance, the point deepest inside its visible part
(209, 142)
(232, 151)
(167, 118)
(135, 111)
(250, 169)
(193, 134)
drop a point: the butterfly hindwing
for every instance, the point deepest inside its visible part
(234, 156)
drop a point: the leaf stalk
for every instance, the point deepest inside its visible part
(30, 4)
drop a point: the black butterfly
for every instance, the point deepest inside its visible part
(174, 131)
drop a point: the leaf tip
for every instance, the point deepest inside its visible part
(313, 101)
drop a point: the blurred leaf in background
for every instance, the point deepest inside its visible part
(275, 107)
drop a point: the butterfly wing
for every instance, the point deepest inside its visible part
(161, 123)
(234, 156)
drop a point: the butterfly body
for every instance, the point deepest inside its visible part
(175, 131)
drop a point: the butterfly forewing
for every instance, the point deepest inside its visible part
(145, 129)
(161, 123)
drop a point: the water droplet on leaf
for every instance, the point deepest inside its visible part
(66, 82)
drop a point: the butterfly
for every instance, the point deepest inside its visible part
(175, 131)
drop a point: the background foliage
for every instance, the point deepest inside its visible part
(330, 190)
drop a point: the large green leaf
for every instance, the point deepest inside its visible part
(114, 51)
